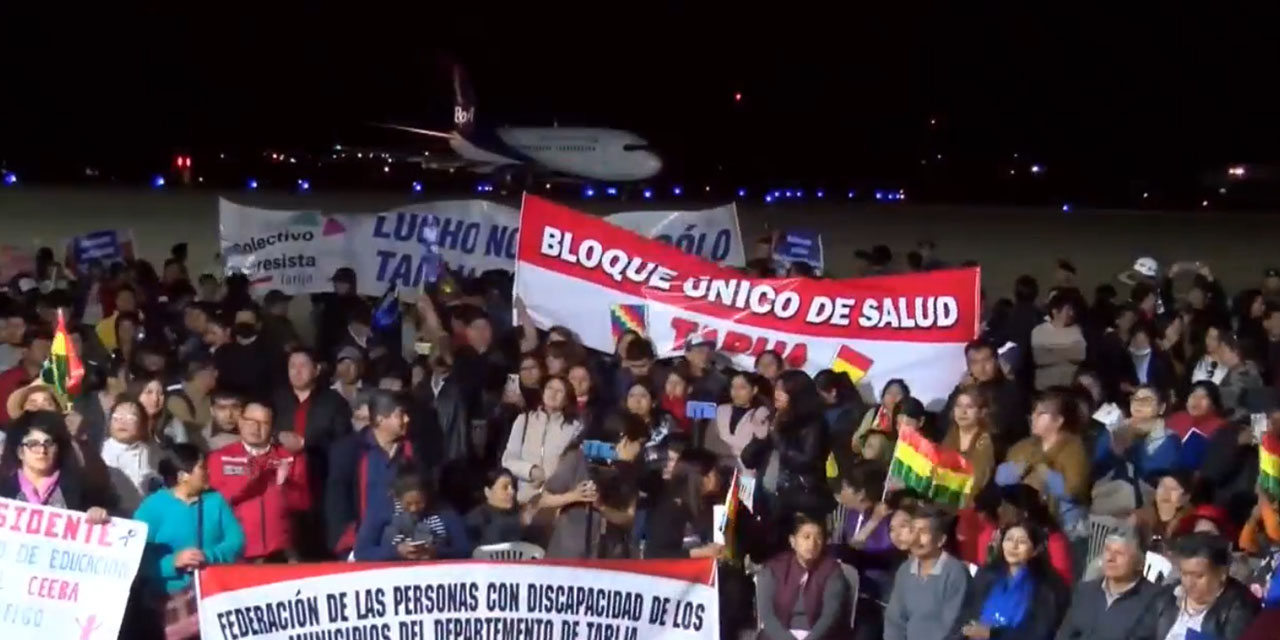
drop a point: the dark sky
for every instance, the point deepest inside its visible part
(1110, 102)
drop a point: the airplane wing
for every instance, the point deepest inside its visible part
(426, 132)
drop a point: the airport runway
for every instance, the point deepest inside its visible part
(1006, 241)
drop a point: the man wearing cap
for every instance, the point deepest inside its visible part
(277, 328)
(347, 370)
(1116, 606)
(332, 309)
(708, 384)
(36, 342)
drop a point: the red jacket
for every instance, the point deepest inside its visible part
(11, 380)
(262, 503)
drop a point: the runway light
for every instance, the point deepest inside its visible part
(386, 169)
(1035, 168)
(851, 193)
(648, 193)
(1145, 194)
(787, 193)
(157, 181)
(737, 96)
(1204, 203)
(819, 194)
(742, 193)
(677, 190)
(10, 178)
(799, 193)
(548, 185)
(1236, 171)
(613, 191)
(769, 199)
(879, 195)
(1066, 207)
(417, 187)
(1222, 191)
(304, 185)
(253, 184)
(589, 192)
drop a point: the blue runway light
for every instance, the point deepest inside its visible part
(742, 193)
(677, 190)
(820, 193)
(1066, 208)
(648, 193)
(787, 193)
(157, 181)
(10, 178)
(588, 192)
(253, 184)
(879, 195)
(417, 187)
(769, 198)
(304, 185)
(613, 191)
(851, 195)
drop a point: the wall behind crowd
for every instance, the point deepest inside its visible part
(1008, 241)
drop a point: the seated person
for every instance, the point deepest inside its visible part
(416, 530)
(803, 592)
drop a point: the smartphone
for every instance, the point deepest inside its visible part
(422, 348)
(419, 543)
(697, 410)
(598, 452)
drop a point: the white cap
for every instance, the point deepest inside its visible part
(1144, 267)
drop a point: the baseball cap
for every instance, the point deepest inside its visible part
(699, 340)
(349, 353)
(275, 296)
(1144, 267)
(344, 274)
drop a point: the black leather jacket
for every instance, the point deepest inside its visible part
(1227, 619)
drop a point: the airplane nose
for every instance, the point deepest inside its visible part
(652, 164)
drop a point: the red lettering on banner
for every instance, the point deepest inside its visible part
(50, 523)
(53, 589)
(736, 342)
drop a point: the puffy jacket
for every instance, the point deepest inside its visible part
(262, 503)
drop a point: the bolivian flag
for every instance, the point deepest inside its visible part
(851, 363)
(938, 473)
(1269, 466)
(63, 370)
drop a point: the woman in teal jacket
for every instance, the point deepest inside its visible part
(188, 526)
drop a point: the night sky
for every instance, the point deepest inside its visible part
(1112, 104)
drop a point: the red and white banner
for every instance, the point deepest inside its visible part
(576, 270)
(542, 600)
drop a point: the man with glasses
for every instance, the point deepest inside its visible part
(265, 484)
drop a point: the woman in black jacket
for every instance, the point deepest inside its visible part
(1018, 595)
(799, 442)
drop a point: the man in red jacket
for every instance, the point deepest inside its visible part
(265, 483)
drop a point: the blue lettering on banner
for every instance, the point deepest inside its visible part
(695, 243)
(406, 227)
(502, 241)
(406, 269)
(799, 246)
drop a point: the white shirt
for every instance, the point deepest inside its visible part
(134, 470)
(1186, 621)
(1208, 369)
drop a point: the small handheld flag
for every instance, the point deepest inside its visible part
(1269, 466)
(63, 369)
(851, 363)
(933, 471)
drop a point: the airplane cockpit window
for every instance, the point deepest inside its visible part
(636, 147)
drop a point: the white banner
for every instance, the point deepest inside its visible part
(298, 251)
(61, 577)
(589, 600)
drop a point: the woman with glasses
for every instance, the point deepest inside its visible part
(42, 468)
(131, 457)
(1135, 452)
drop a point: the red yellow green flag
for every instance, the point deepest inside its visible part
(851, 363)
(1269, 466)
(63, 370)
(933, 471)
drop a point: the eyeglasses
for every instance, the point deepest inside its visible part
(125, 417)
(1143, 400)
(45, 445)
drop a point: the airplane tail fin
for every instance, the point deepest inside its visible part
(464, 102)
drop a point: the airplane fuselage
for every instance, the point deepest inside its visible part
(610, 155)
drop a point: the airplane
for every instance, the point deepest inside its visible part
(580, 153)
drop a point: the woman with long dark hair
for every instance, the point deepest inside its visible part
(791, 461)
(1017, 596)
(498, 519)
(679, 523)
(540, 435)
(744, 417)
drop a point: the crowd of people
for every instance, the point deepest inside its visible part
(1104, 438)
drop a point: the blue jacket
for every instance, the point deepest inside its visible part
(171, 527)
(1147, 457)
(359, 485)
(377, 538)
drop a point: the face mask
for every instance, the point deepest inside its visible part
(1140, 352)
(244, 330)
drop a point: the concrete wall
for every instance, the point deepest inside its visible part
(1007, 241)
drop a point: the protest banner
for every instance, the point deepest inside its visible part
(798, 245)
(106, 247)
(298, 251)
(542, 600)
(61, 577)
(576, 270)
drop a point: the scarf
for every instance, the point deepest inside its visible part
(679, 410)
(1007, 602)
(792, 582)
(38, 494)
